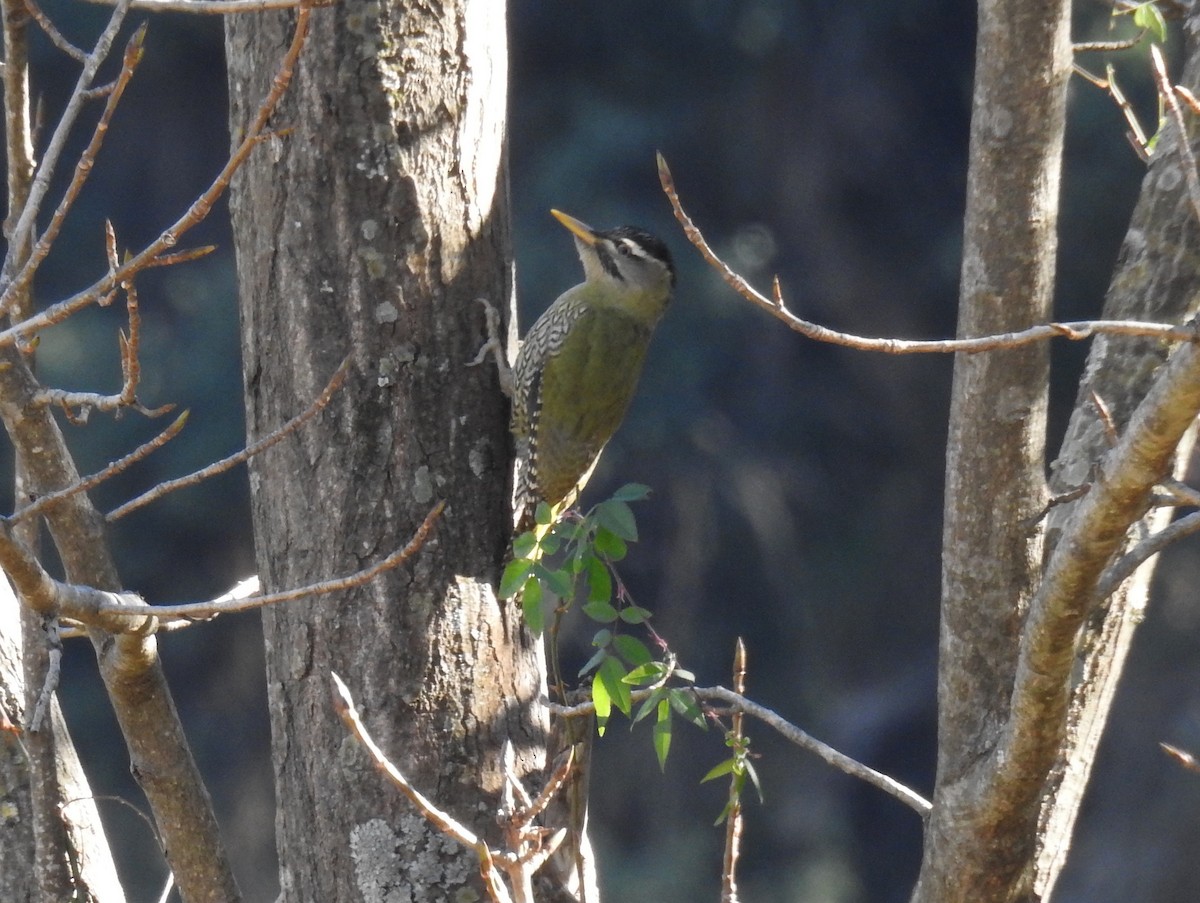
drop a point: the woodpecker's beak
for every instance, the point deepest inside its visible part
(578, 228)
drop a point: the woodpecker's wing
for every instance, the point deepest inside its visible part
(575, 392)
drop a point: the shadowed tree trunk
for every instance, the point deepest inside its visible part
(370, 230)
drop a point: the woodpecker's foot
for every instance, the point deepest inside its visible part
(494, 347)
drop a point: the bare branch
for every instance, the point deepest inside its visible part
(1185, 146)
(24, 226)
(1075, 330)
(199, 209)
(217, 7)
(1136, 135)
(343, 704)
(131, 368)
(1124, 566)
(54, 34)
(90, 482)
(733, 818)
(1109, 46)
(335, 383)
(204, 610)
(739, 703)
(1183, 757)
(1094, 533)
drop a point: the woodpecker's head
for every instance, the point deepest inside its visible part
(628, 258)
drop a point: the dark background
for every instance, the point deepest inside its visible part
(797, 486)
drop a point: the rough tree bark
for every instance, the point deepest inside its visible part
(370, 230)
(996, 443)
(1030, 656)
(1155, 280)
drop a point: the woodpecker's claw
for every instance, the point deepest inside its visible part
(495, 348)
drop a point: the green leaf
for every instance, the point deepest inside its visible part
(594, 662)
(610, 544)
(617, 517)
(543, 515)
(514, 577)
(531, 606)
(649, 704)
(635, 614)
(1150, 17)
(662, 734)
(632, 650)
(550, 544)
(600, 611)
(568, 531)
(579, 559)
(611, 674)
(724, 816)
(602, 701)
(632, 492)
(684, 674)
(524, 545)
(684, 703)
(754, 780)
(556, 580)
(719, 770)
(599, 582)
(644, 674)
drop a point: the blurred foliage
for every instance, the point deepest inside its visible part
(797, 487)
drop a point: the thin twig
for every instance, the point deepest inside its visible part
(789, 731)
(131, 369)
(335, 383)
(1189, 98)
(343, 704)
(208, 610)
(1182, 756)
(1109, 46)
(52, 32)
(1073, 330)
(217, 7)
(26, 220)
(1176, 493)
(196, 213)
(1123, 567)
(88, 483)
(127, 612)
(1185, 146)
(733, 817)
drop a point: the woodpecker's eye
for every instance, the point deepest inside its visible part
(624, 249)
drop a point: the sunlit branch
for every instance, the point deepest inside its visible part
(217, 7)
(1073, 330)
(1185, 146)
(205, 610)
(1124, 566)
(738, 703)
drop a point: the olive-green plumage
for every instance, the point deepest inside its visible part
(579, 364)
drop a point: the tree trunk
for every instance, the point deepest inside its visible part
(1155, 280)
(369, 230)
(996, 443)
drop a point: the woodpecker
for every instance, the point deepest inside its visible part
(579, 364)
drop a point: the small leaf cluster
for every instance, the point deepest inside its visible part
(550, 561)
(572, 560)
(1149, 17)
(740, 766)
